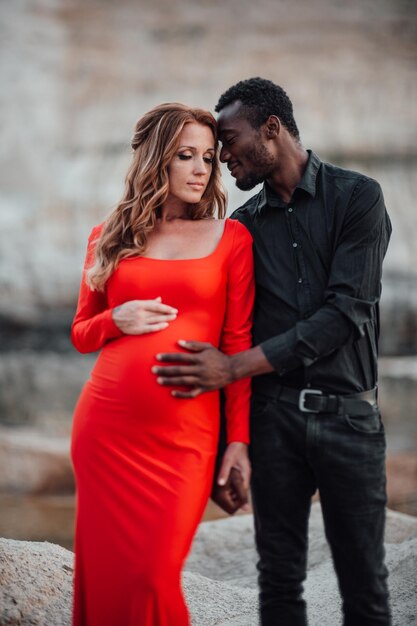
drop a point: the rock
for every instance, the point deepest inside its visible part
(224, 551)
(35, 584)
(214, 603)
(31, 462)
(219, 581)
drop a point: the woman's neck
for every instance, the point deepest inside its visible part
(173, 213)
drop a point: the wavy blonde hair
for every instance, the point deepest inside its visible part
(155, 142)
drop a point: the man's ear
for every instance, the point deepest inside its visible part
(272, 127)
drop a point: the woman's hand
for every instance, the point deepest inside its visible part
(234, 478)
(137, 317)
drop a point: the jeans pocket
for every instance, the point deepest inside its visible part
(369, 424)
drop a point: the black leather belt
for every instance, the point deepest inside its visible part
(316, 401)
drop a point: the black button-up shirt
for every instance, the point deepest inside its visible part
(318, 266)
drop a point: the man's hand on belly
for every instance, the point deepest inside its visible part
(204, 368)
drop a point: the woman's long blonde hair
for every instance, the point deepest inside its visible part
(154, 143)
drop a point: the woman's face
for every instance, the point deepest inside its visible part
(190, 170)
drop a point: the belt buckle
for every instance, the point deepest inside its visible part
(302, 399)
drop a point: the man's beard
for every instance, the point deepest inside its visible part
(263, 165)
(249, 181)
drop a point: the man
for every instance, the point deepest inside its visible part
(320, 235)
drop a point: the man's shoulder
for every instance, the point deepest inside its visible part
(337, 174)
(354, 193)
(245, 212)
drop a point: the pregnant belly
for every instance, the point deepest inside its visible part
(123, 401)
(123, 368)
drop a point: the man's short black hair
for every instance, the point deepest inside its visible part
(261, 98)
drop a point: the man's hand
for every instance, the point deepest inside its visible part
(205, 368)
(231, 488)
(230, 497)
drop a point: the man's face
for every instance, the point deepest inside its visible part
(244, 148)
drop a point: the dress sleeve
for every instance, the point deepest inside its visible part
(93, 324)
(236, 333)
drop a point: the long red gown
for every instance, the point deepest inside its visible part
(143, 459)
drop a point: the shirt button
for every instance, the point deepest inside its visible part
(300, 280)
(294, 245)
(290, 209)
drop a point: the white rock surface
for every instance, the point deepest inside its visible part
(220, 581)
(224, 551)
(35, 584)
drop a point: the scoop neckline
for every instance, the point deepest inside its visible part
(199, 258)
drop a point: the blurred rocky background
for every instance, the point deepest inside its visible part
(75, 76)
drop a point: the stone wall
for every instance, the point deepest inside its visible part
(76, 75)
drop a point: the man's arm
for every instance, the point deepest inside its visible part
(349, 303)
(205, 368)
(353, 289)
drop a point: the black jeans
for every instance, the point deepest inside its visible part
(293, 454)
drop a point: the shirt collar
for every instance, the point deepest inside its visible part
(268, 197)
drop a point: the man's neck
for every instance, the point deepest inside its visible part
(285, 178)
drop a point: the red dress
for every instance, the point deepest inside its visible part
(143, 459)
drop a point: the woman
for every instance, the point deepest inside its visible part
(161, 268)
